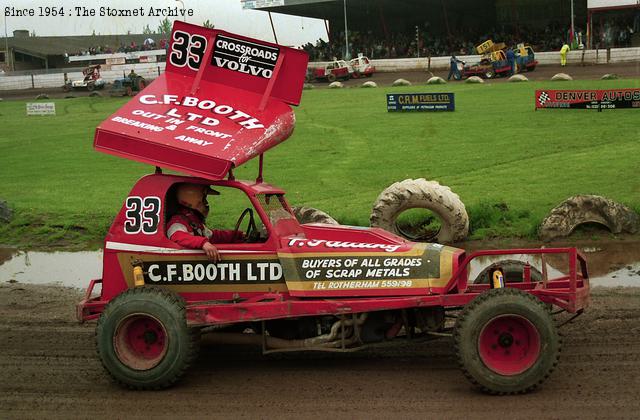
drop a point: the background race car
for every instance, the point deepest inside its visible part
(362, 67)
(332, 71)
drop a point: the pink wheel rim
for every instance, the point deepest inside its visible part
(509, 344)
(140, 341)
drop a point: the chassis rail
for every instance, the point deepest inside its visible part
(569, 292)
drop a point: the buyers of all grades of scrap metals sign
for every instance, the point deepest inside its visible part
(588, 99)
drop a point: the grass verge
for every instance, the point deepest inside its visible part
(509, 164)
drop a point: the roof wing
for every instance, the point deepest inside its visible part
(221, 101)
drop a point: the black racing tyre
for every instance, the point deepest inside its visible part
(420, 193)
(312, 215)
(91, 87)
(511, 269)
(143, 339)
(331, 77)
(506, 342)
(489, 74)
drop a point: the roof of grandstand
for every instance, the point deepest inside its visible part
(58, 45)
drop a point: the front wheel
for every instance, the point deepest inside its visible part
(506, 342)
(143, 339)
(489, 74)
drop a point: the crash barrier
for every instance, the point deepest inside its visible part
(52, 80)
(152, 70)
(600, 56)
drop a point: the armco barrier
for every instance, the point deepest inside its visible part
(151, 70)
(601, 56)
(52, 80)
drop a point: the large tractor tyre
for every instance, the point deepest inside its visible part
(506, 342)
(581, 209)
(420, 193)
(311, 215)
(143, 339)
(511, 269)
(331, 77)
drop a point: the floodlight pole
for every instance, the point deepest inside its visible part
(184, 11)
(346, 32)
(6, 44)
(571, 39)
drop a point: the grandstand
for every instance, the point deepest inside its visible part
(412, 28)
(29, 53)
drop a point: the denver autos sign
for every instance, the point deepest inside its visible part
(420, 102)
(588, 99)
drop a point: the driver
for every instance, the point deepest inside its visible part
(187, 227)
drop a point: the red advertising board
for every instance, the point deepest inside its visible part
(223, 100)
(588, 99)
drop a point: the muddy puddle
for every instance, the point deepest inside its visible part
(72, 269)
(611, 264)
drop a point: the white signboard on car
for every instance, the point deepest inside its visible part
(260, 4)
(608, 4)
(41, 108)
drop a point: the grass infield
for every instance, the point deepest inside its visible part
(509, 164)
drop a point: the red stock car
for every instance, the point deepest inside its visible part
(223, 100)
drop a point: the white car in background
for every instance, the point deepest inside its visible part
(362, 67)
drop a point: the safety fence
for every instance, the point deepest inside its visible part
(587, 57)
(52, 80)
(150, 71)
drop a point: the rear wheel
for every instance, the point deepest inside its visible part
(143, 339)
(331, 77)
(91, 87)
(506, 342)
(490, 74)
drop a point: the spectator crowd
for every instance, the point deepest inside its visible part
(148, 44)
(609, 32)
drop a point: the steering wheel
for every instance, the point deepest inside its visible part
(251, 228)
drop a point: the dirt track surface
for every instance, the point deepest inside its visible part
(49, 368)
(590, 72)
